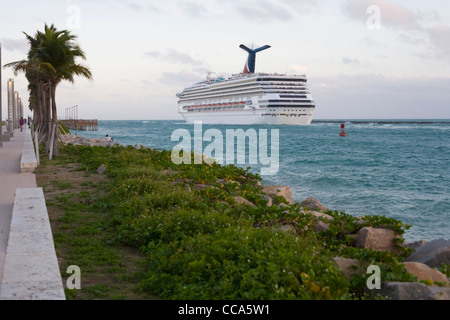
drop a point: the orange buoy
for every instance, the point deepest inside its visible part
(342, 134)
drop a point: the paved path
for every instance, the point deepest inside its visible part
(11, 178)
(28, 265)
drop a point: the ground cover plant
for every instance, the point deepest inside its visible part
(147, 228)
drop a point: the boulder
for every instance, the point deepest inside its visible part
(268, 199)
(240, 200)
(283, 191)
(377, 239)
(313, 204)
(414, 245)
(432, 253)
(286, 228)
(348, 266)
(412, 291)
(319, 224)
(101, 169)
(424, 272)
(202, 186)
(317, 214)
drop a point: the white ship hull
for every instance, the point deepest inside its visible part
(246, 117)
(226, 117)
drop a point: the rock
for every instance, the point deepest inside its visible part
(268, 199)
(377, 239)
(348, 266)
(414, 245)
(320, 226)
(432, 253)
(424, 272)
(317, 214)
(286, 228)
(201, 186)
(241, 200)
(283, 191)
(101, 169)
(412, 291)
(80, 140)
(313, 204)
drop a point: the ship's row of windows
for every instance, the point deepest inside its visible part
(286, 114)
(241, 87)
(277, 88)
(284, 101)
(217, 102)
(288, 110)
(281, 79)
(292, 96)
(293, 106)
(219, 95)
(215, 108)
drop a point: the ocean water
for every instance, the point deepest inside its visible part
(400, 170)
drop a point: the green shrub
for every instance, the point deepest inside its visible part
(200, 244)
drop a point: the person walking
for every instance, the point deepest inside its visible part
(21, 122)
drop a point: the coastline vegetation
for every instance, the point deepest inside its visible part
(149, 229)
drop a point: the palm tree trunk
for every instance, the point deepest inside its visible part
(48, 111)
(43, 120)
(54, 121)
(38, 112)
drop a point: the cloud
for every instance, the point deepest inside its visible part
(439, 36)
(179, 80)
(175, 56)
(153, 54)
(15, 44)
(350, 61)
(391, 14)
(193, 9)
(264, 11)
(379, 97)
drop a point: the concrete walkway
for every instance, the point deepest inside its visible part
(27, 251)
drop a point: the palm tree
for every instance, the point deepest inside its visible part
(51, 59)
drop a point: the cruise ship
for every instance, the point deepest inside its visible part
(248, 98)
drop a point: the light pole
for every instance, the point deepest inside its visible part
(16, 98)
(1, 111)
(10, 105)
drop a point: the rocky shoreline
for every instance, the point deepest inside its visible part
(432, 284)
(422, 263)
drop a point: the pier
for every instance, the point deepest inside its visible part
(81, 125)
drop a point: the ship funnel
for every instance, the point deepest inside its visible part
(250, 65)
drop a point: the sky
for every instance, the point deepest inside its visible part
(364, 59)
